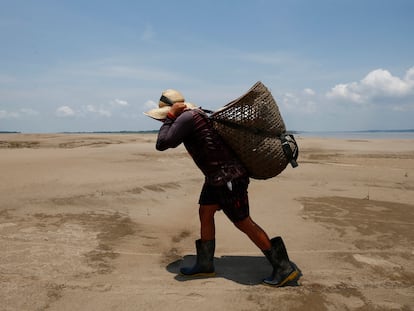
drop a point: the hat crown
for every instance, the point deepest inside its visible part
(170, 97)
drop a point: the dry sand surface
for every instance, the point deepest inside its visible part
(103, 222)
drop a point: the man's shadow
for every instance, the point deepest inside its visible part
(245, 270)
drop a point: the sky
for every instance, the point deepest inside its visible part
(97, 65)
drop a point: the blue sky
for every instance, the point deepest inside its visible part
(98, 65)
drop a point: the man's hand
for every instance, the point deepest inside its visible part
(177, 109)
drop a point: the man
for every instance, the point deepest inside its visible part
(225, 186)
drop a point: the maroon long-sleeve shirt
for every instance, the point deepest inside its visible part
(208, 150)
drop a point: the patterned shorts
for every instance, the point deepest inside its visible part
(234, 202)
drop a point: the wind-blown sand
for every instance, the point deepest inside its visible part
(103, 222)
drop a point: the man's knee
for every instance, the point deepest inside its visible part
(207, 211)
(244, 224)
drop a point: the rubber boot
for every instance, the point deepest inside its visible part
(283, 270)
(204, 266)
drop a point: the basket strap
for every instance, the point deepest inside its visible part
(206, 110)
(292, 155)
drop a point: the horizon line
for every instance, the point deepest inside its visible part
(155, 131)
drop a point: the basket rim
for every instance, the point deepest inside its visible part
(230, 104)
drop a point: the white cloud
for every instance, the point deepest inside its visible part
(409, 76)
(377, 84)
(292, 102)
(345, 91)
(104, 110)
(309, 91)
(289, 100)
(65, 111)
(382, 82)
(29, 112)
(98, 111)
(4, 114)
(119, 102)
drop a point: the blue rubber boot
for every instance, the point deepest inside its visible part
(284, 272)
(204, 266)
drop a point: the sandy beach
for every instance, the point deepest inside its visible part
(104, 222)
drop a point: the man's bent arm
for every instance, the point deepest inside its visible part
(173, 132)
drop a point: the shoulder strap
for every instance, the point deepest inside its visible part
(287, 141)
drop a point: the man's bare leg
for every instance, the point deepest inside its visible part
(207, 225)
(255, 233)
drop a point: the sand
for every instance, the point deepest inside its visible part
(103, 222)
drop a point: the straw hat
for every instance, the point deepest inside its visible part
(168, 98)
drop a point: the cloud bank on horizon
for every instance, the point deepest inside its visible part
(97, 67)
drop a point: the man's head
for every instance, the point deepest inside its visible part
(170, 97)
(167, 100)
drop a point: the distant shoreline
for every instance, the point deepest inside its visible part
(85, 132)
(367, 134)
(362, 134)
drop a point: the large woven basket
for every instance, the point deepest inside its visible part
(252, 125)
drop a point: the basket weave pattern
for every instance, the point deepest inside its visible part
(255, 140)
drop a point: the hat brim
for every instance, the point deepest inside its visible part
(158, 113)
(161, 113)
